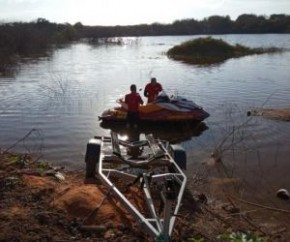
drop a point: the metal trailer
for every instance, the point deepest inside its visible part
(147, 165)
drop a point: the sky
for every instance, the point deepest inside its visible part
(132, 12)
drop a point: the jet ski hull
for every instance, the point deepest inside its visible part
(164, 109)
(119, 115)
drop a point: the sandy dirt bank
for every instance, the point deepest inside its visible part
(43, 203)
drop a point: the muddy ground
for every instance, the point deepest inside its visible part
(43, 203)
(282, 114)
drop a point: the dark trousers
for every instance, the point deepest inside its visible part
(132, 118)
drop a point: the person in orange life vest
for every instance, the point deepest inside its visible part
(152, 89)
(133, 101)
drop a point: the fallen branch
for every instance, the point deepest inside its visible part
(93, 228)
(217, 216)
(244, 213)
(22, 139)
(254, 225)
(263, 206)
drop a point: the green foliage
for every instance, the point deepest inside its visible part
(196, 240)
(241, 237)
(10, 159)
(208, 51)
(203, 47)
(42, 164)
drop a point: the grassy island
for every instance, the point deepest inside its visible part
(203, 51)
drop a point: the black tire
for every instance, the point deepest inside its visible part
(179, 156)
(92, 157)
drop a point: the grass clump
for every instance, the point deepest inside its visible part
(210, 51)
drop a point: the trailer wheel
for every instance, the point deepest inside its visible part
(92, 157)
(179, 156)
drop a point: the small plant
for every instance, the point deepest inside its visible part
(241, 237)
(42, 165)
(196, 240)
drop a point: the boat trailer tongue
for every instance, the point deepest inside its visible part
(148, 165)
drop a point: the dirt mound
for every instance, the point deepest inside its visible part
(91, 203)
(37, 182)
(85, 201)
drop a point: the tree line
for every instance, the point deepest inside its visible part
(244, 24)
(21, 39)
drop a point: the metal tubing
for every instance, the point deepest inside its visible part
(155, 226)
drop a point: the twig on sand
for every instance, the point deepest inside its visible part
(217, 216)
(263, 206)
(253, 225)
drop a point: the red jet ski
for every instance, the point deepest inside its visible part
(163, 109)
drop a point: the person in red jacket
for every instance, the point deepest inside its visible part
(152, 89)
(133, 101)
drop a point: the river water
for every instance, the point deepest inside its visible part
(50, 107)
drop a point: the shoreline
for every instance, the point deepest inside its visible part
(40, 201)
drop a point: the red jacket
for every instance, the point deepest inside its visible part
(152, 90)
(133, 100)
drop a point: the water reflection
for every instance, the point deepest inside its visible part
(11, 66)
(172, 132)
